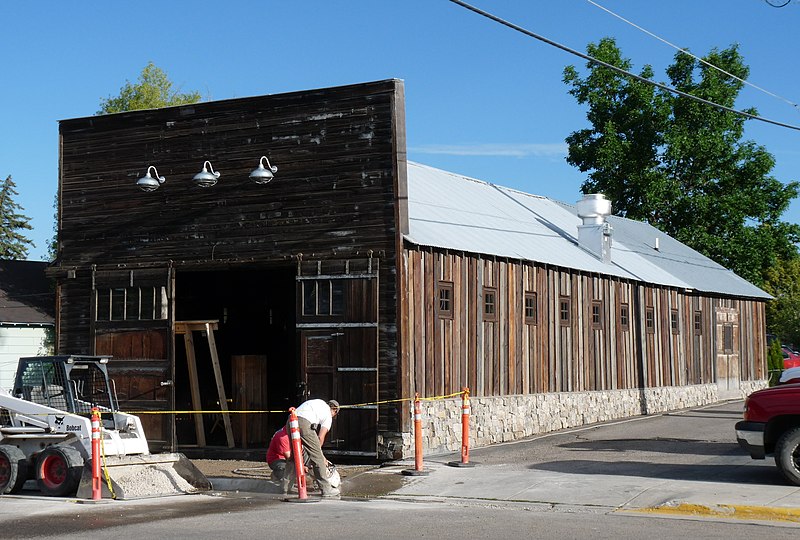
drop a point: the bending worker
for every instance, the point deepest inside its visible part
(314, 418)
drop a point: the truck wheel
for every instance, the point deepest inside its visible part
(59, 470)
(787, 455)
(13, 469)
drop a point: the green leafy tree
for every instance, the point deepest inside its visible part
(682, 165)
(774, 362)
(153, 90)
(13, 243)
(783, 312)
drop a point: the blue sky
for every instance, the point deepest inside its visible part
(481, 99)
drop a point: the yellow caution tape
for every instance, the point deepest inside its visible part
(354, 406)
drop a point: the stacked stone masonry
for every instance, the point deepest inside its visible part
(508, 418)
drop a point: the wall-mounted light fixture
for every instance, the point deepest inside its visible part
(148, 182)
(207, 177)
(263, 175)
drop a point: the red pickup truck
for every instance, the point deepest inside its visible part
(771, 425)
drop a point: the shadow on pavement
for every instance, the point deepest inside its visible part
(658, 445)
(735, 474)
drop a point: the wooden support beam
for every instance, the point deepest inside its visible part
(195, 388)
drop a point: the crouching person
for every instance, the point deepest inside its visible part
(314, 418)
(279, 454)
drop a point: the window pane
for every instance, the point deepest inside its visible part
(337, 297)
(623, 316)
(117, 304)
(530, 308)
(162, 304)
(132, 304)
(309, 297)
(103, 305)
(323, 297)
(489, 305)
(148, 300)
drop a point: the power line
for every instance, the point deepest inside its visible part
(618, 69)
(687, 52)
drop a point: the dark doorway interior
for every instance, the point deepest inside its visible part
(256, 345)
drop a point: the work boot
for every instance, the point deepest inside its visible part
(288, 478)
(327, 489)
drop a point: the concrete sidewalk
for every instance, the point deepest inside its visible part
(499, 483)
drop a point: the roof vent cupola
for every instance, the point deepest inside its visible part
(594, 235)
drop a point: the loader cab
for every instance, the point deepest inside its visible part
(73, 384)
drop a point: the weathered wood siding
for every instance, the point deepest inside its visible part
(588, 351)
(340, 155)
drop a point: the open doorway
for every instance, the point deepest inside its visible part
(256, 346)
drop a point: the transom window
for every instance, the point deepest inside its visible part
(131, 304)
(323, 297)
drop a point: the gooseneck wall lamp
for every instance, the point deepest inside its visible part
(263, 175)
(207, 177)
(148, 182)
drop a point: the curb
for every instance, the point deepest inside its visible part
(760, 513)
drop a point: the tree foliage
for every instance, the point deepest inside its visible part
(13, 243)
(682, 165)
(783, 312)
(153, 90)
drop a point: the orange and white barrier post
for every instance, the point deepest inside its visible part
(297, 454)
(465, 413)
(97, 489)
(417, 470)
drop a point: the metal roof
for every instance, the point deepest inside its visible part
(451, 211)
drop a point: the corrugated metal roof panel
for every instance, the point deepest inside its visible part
(451, 211)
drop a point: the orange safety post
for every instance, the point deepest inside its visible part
(417, 470)
(97, 489)
(297, 455)
(465, 412)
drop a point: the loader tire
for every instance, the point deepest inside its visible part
(13, 469)
(59, 470)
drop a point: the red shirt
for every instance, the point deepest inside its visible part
(278, 446)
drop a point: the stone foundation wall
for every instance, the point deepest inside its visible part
(507, 418)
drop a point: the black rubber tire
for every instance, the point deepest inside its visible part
(13, 469)
(787, 455)
(59, 470)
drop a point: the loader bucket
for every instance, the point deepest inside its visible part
(145, 476)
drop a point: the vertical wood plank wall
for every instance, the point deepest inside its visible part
(508, 356)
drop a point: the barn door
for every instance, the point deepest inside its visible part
(338, 329)
(131, 314)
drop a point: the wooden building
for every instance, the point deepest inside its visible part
(356, 275)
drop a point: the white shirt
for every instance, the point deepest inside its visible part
(316, 411)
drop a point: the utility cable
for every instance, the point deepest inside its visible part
(687, 52)
(618, 69)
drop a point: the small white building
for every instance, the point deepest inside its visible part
(27, 322)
